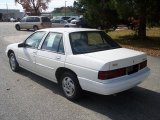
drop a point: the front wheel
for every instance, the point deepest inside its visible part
(70, 86)
(17, 27)
(13, 62)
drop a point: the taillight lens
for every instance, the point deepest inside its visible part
(143, 64)
(103, 75)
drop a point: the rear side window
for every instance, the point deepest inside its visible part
(45, 19)
(53, 42)
(34, 40)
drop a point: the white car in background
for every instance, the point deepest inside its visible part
(33, 22)
(79, 59)
(58, 23)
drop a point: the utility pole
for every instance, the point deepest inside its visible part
(7, 10)
(65, 8)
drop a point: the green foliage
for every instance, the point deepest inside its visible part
(99, 12)
(108, 12)
(78, 7)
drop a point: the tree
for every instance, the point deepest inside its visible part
(108, 11)
(78, 6)
(34, 7)
(99, 12)
(147, 11)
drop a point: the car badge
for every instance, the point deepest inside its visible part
(115, 64)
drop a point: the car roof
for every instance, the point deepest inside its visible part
(69, 30)
(35, 16)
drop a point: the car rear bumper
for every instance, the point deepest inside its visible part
(116, 85)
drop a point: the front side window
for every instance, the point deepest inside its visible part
(23, 19)
(36, 19)
(30, 19)
(53, 42)
(34, 40)
(91, 41)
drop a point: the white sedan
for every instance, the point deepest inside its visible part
(79, 59)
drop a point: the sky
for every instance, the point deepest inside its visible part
(53, 4)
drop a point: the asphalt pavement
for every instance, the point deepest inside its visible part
(25, 96)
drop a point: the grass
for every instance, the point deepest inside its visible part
(128, 38)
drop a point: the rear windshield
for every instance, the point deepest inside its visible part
(91, 41)
(45, 19)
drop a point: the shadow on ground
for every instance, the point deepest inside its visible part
(29, 30)
(135, 104)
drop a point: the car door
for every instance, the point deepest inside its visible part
(29, 22)
(50, 56)
(26, 55)
(22, 22)
(56, 23)
(62, 23)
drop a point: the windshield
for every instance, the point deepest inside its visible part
(91, 41)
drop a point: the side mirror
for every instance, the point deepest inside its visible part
(21, 45)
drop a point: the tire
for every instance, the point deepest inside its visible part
(35, 28)
(17, 27)
(70, 86)
(13, 62)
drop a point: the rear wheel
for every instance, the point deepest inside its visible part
(35, 28)
(18, 27)
(70, 86)
(13, 62)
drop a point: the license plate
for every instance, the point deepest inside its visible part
(129, 70)
(132, 69)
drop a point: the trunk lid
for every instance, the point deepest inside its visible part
(118, 58)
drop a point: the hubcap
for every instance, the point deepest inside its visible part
(68, 86)
(12, 62)
(17, 27)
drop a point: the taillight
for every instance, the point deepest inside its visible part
(143, 64)
(103, 75)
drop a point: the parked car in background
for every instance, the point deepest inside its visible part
(58, 23)
(60, 18)
(65, 18)
(79, 59)
(70, 25)
(13, 20)
(78, 22)
(72, 18)
(33, 22)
